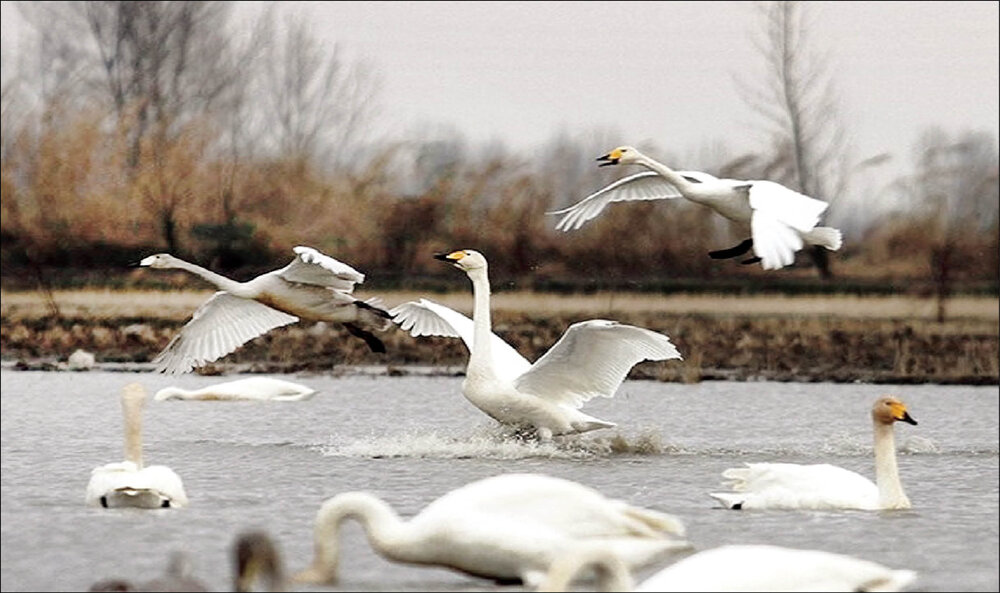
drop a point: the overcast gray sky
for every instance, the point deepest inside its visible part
(661, 71)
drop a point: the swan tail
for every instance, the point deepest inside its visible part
(824, 236)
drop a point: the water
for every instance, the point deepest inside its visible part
(411, 439)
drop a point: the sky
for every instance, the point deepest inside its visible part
(657, 72)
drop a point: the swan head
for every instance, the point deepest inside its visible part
(159, 260)
(623, 155)
(891, 409)
(464, 259)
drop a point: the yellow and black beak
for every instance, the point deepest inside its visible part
(608, 159)
(907, 418)
(451, 257)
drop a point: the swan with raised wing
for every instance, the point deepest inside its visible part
(129, 483)
(778, 220)
(507, 528)
(591, 359)
(313, 287)
(825, 486)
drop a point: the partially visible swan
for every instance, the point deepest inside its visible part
(313, 287)
(824, 486)
(255, 558)
(250, 388)
(591, 359)
(735, 568)
(128, 483)
(778, 220)
(81, 360)
(507, 528)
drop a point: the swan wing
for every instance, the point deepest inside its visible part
(647, 185)
(427, 318)
(791, 208)
(312, 267)
(591, 359)
(774, 242)
(792, 486)
(221, 324)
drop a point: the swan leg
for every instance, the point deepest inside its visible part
(736, 251)
(749, 261)
(374, 344)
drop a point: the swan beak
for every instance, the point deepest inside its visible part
(609, 160)
(907, 418)
(451, 258)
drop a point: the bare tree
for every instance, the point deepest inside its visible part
(798, 104)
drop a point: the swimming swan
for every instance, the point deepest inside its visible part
(735, 568)
(824, 486)
(507, 528)
(778, 220)
(250, 388)
(255, 558)
(314, 287)
(591, 359)
(128, 483)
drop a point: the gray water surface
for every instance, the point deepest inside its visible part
(411, 439)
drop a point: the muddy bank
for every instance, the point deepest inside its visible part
(714, 347)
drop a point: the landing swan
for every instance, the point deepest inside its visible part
(824, 486)
(507, 528)
(591, 359)
(313, 287)
(778, 220)
(255, 558)
(736, 568)
(250, 388)
(128, 483)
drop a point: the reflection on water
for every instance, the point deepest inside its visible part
(411, 439)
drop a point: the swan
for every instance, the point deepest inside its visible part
(128, 483)
(313, 287)
(735, 568)
(591, 359)
(255, 558)
(250, 388)
(824, 486)
(778, 220)
(507, 528)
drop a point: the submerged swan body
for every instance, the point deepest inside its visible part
(824, 486)
(250, 388)
(313, 287)
(779, 220)
(736, 568)
(507, 528)
(591, 359)
(128, 483)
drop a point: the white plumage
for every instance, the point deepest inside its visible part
(507, 527)
(250, 388)
(779, 220)
(591, 359)
(313, 287)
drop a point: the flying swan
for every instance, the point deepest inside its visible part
(778, 220)
(591, 359)
(129, 483)
(824, 486)
(507, 528)
(314, 287)
(735, 568)
(250, 388)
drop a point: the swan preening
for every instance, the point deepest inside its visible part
(313, 287)
(250, 388)
(128, 483)
(824, 486)
(735, 568)
(507, 528)
(255, 559)
(591, 359)
(778, 220)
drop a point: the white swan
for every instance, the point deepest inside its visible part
(777, 219)
(735, 568)
(824, 486)
(250, 388)
(129, 483)
(507, 528)
(314, 287)
(591, 359)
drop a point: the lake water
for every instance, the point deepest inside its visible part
(411, 439)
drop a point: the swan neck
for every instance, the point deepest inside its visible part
(482, 323)
(666, 172)
(132, 405)
(890, 488)
(220, 281)
(611, 572)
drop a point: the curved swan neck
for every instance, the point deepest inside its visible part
(669, 174)
(133, 398)
(890, 488)
(220, 281)
(611, 571)
(482, 323)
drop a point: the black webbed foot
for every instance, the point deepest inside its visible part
(736, 251)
